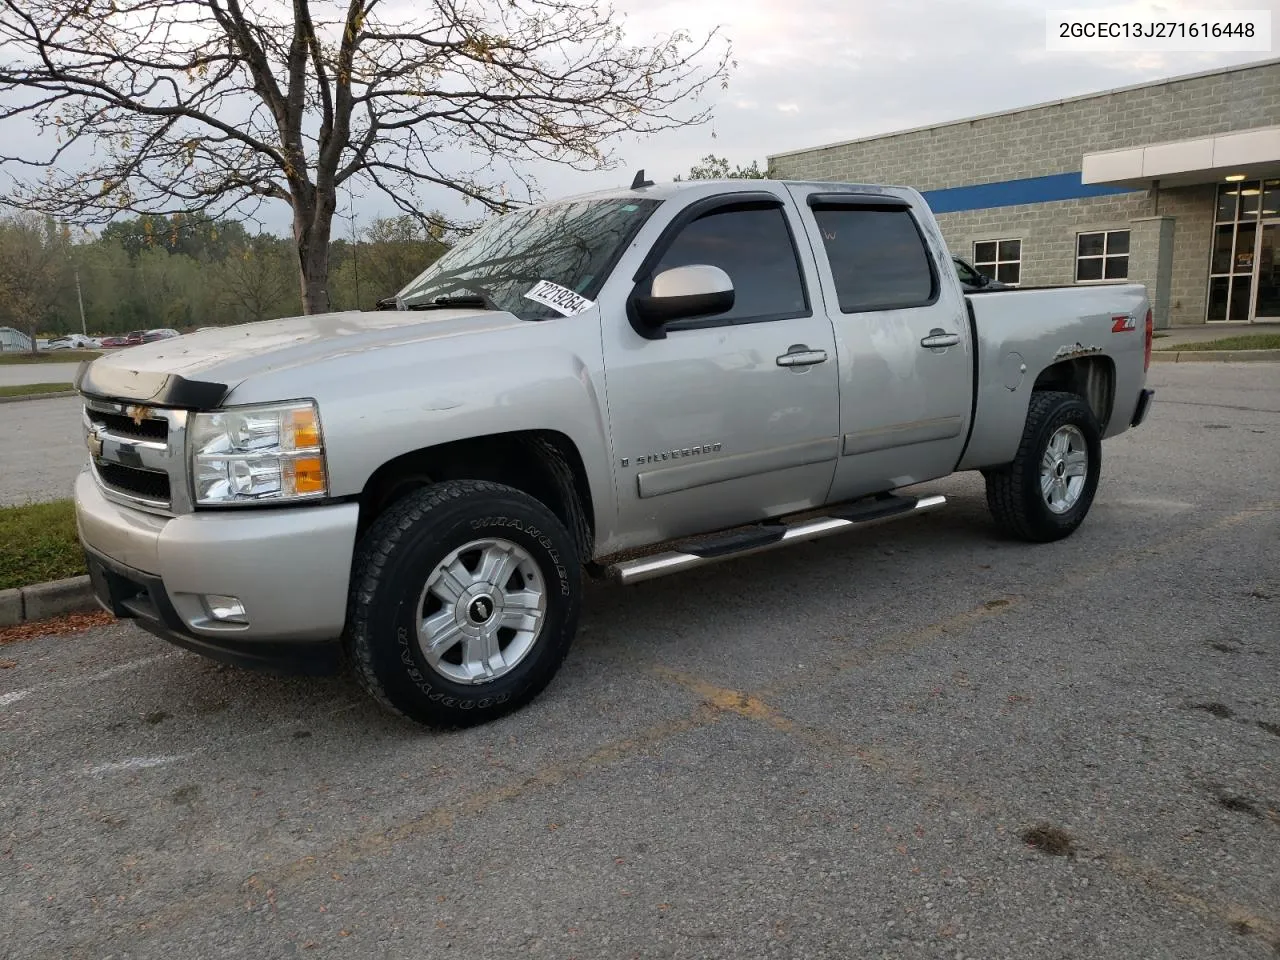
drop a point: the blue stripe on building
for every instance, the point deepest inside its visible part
(1010, 193)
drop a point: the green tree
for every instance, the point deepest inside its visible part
(185, 233)
(256, 282)
(717, 168)
(110, 284)
(207, 106)
(33, 262)
(399, 249)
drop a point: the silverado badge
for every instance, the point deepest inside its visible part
(661, 455)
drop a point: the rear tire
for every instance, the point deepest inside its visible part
(464, 603)
(1046, 492)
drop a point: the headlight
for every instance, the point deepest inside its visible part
(251, 454)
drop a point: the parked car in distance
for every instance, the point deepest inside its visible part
(973, 280)
(115, 341)
(73, 341)
(161, 333)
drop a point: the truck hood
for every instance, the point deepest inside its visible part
(199, 369)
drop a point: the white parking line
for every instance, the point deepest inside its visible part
(16, 695)
(144, 763)
(137, 763)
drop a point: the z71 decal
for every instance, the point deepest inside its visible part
(1123, 324)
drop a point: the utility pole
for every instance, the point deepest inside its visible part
(355, 246)
(84, 328)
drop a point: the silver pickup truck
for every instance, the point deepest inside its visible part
(622, 385)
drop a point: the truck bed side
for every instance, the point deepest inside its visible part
(1035, 338)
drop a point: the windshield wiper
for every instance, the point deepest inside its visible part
(461, 300)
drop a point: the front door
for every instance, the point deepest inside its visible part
(1266, 302)
(906, 361)
(732, 418)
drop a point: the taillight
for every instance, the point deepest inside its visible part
(1146, 360)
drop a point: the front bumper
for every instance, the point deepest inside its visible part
(289, 567)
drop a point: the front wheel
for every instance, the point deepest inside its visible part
(1045, 494)
(464, 603)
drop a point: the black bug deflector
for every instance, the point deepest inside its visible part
(159, 389)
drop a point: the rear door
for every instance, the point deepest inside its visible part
(730, 418)
(902, 338)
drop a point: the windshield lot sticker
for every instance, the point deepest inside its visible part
(558, 298)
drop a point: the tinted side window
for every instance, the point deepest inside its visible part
(878, 258)
(754, 248)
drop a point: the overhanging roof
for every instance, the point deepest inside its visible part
(1254, 153)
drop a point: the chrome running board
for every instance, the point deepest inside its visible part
(768, 536)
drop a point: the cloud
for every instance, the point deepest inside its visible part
(811, 72)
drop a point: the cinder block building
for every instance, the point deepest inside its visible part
(1175, 184)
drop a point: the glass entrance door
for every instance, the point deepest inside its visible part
(1244, 266)
(1266, 305)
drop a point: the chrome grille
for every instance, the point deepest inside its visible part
(145, 428)
(149, 485)
(137, 454)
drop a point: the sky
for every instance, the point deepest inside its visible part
(812, 72)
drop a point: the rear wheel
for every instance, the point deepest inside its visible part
(464, 604)
(1045, 494)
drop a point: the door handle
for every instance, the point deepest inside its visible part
(801, 356)
(940, 338)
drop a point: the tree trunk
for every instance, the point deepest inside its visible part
(34, 348)
(312, 223)
(315, 280)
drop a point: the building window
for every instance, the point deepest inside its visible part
(1102, 256)
(999, 259)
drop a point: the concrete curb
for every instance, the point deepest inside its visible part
(38, 396)
(1220, 356)
(40, 601)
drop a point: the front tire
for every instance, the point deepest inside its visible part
(464, 603)
(1045, 494)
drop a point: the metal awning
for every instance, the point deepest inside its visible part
(1253, 154)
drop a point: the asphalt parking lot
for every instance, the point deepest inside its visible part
(835, 750)
(18, 373)
(41, 449)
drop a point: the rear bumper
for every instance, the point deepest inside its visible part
(290, 569)
(1143, 408)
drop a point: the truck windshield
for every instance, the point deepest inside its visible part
(570, 245)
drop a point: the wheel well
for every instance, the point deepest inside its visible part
(542, 463)
(1092, 378)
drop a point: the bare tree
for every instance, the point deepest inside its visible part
(202, 105)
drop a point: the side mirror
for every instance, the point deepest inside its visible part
(681, 293)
